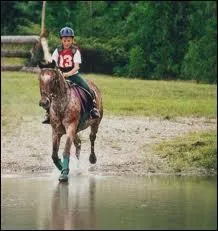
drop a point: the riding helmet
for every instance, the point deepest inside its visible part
(66, 32)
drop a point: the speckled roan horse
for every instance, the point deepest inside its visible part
(69, 113)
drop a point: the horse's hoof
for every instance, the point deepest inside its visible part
(92, 159)
(77, 156)
(63, 177)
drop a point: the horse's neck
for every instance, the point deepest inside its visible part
(62, 97)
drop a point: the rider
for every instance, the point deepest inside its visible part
(68, 58)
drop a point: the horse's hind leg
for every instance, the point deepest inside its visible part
(77, 143)
(92, 137)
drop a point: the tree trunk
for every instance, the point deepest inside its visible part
(47, 55)
(43, 19)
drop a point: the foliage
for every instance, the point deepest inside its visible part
(197, 149)
(200, 61)
(136, 62)
(140, 39)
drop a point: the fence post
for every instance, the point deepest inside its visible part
(43, 19)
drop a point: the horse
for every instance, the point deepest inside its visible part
(68, 116)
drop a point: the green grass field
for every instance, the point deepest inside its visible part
(156, 98)
(20, 94)
(13, 61)
(195, 150)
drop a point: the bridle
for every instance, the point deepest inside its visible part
(50, 96)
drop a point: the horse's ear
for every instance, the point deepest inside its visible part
(53, 64)
(48, 65)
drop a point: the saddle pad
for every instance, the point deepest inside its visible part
(85, 103)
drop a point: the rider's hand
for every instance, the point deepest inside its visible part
(64, 75)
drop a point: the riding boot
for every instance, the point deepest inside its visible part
(47, 118)
(94, 111)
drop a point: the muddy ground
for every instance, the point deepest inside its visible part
(123, 146)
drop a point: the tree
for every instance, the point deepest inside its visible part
(136, 62)
(200, 62)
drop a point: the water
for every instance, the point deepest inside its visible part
(95, 202)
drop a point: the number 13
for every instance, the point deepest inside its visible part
(66, 61)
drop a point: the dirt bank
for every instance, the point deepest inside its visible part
(123, 146)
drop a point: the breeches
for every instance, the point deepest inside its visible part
(77, 79)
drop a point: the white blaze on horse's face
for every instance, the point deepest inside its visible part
(45, 77)
(45, 90)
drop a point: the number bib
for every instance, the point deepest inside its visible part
(66, 58)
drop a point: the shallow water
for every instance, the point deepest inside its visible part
(96, 202)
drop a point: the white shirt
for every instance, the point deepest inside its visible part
(76, 57)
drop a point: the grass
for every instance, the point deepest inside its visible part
(20, 97)
(156, 98)
(13, 61)
(20, 94)
(195, 150)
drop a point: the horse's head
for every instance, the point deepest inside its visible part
(48, 82)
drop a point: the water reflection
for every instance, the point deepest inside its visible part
(72, 207)
(91, 202)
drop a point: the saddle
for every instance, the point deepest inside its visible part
(85, 101)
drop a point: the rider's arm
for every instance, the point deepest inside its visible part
(77, 61)
(73, 71)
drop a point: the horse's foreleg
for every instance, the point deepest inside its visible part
(71, 131)
(77, 143)
(55, 147)
(92, 137)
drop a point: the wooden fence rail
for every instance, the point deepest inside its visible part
(38, 52)
(20, 39)
(12, 68)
